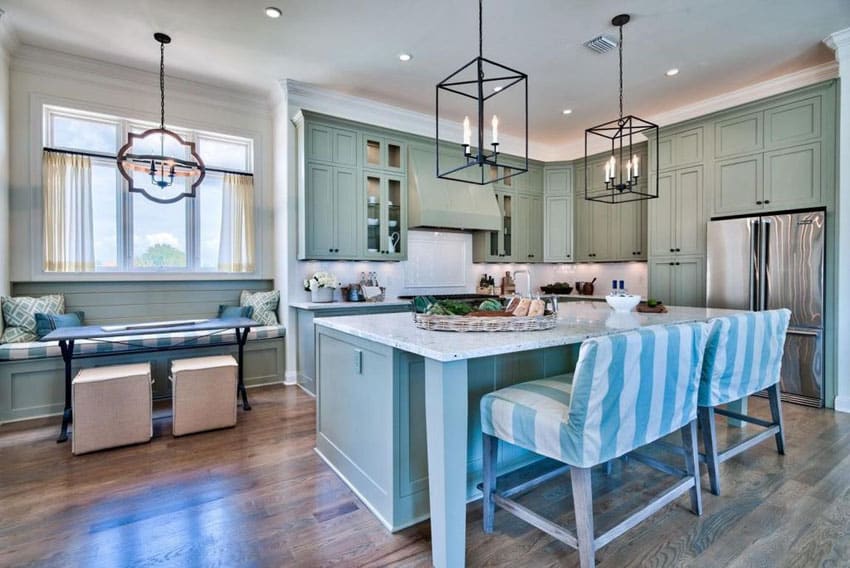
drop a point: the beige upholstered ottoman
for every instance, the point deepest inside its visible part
(203, 394)
(112, 407)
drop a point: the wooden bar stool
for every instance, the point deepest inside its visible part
(742, 357)
(628, 390)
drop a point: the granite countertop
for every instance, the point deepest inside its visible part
(577, 321)
(346, 305)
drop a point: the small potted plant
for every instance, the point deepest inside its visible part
(321, 286)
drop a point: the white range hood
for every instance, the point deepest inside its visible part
(446, 204)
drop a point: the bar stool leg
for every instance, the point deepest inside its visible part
(776, 416)
(689, 441)
(583, 503)
(709, 440)
(491, 452)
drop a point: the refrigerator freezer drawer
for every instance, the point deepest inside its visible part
(802, 367)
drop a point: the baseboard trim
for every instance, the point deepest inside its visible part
(291, 378)
(842, 404)
(300, 386)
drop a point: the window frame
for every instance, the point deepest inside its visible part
(124, 199)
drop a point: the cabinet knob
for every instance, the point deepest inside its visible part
(638, 252)
(766, 201)
(672, 250)
(678, 263)
(758, 202)
(678, 250)
(330, 250)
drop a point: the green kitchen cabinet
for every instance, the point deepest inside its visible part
(677, 218)
(629, 232)
(330, 229)
(384, 225)
(330, 144)
(528, 229)
(497, 246)
(678, 281)
(792, 177)
(557, 180)
(678, 149)
(558, 228)
(593, 229)
(383, 153)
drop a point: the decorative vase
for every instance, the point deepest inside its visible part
(322, 295)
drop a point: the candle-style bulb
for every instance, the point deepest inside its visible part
(635, 165)
(629, 170)
(495, 129)
(467, 131)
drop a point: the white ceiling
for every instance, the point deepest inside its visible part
(352, 46)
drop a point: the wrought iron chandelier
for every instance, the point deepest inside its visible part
(622, 171)
(146, 154)
(480, 81)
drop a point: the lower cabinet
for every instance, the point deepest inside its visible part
(678, 281)
(558, 228)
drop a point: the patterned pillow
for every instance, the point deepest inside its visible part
(264, 304)
(45, 323)
(226, 312)
(19, 316)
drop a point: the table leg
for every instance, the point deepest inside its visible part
(241, 338)
(67, 349)
(446, 410)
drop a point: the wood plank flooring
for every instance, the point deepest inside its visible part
(257, 495)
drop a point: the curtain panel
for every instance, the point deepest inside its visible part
(236, 251)
(68, 225)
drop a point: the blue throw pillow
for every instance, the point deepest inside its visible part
(45, 323)
(225, 312)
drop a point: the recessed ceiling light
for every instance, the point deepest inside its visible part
(567, 111)
(273, 12)
(404, 57)
(498, 88)
(672, 72)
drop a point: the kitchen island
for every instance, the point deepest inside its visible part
(398, 407)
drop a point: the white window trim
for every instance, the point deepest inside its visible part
(124, 250)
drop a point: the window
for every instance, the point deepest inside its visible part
(130, 232)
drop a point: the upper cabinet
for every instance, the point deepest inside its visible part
(383, 153)
(385, 221)
(330, 144)
(558, 228)
(677, 218)
(558, 180)
(683, 148)
(497, 246)
(330, 230)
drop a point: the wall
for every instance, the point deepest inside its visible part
(40, 76)
(5, 44)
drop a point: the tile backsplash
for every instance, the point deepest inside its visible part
(440, 262)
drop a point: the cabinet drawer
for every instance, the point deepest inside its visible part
(738, 135)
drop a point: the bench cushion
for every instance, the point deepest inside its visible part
(41, 350)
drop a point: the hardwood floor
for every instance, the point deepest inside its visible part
(257, 495)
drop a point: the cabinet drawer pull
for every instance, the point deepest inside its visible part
(678, 250)
(766, 201)
(672, 250)
(671, 264)
(758, 202)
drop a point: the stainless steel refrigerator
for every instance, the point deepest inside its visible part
(769, 262)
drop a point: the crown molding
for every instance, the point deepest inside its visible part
(48, 62)
(318, 99)
(838, 40)
(9, 40)
(775, 86)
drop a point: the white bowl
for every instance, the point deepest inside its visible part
(622, 303)
(622, 320)
(393, 223)
(371, 221)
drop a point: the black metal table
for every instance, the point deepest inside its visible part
(66, 337)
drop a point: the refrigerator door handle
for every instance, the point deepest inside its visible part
(754, 232)
(764, 263)
(798, 331)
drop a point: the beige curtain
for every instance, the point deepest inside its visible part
(236, 251)
(68, 226)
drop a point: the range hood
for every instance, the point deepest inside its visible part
(445, 204)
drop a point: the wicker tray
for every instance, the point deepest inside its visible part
(465, 323)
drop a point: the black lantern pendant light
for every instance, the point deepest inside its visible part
(470, 91)
(623, 170)
(146, 153)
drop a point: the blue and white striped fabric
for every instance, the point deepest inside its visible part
(628, 390)
(42, 350)
(743, 355)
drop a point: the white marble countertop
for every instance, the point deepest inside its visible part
(346, 305)
(577, 321)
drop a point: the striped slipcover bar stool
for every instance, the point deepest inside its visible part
(628, 389)
(743, 356)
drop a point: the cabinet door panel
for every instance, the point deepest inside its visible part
(792, 123)
(522, 219)
(535, 229)
(662, 216)
(628, 230)
(689, 282)
(583, 244)
(320, 220)
(558, 180)
(738, 135)
(665, 153)
(738, 184)
(601, 230)
(689, 147)
(319, 143)
(559, 229)
(346, 217)
(661, 281)
(345, 147)
(690, 233)
(792, 177)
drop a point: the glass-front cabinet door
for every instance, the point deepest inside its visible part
(385, 219)
(383, 153)
(500, 243)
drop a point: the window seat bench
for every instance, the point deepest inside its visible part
(32, 374)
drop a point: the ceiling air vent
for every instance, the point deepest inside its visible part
(601, 44)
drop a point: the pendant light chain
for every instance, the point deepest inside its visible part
(621, 72)
(162, 85)
(480, 29)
